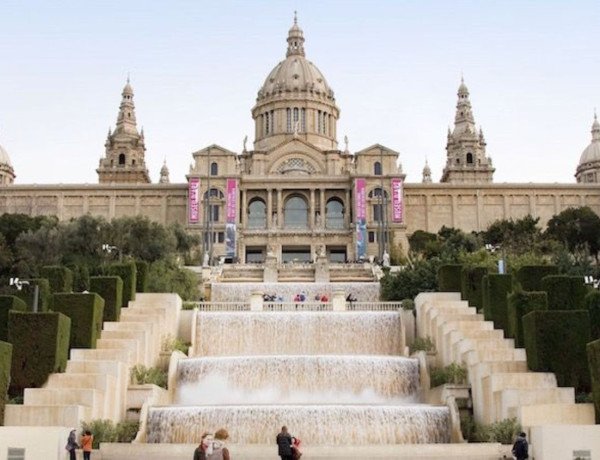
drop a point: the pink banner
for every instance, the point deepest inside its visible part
(194, 201)
(360, 201)
(397, 204)
(231, 200)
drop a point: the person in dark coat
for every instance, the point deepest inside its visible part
(284, 444)
(521, 448)
(200, 452)
(72, 444)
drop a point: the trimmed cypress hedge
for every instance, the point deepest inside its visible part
(449, 278)
(530, 276)
(555, 341)
(495, 303)
(127, 272)
(43, 347)
(142, 267)
(593, 355)
(471, 288)
(44, 295)
(565, 292)
(7, 303)
(85, 311)
(519, 304)
(110, 288)
(5, 361)
(59, 277)
(592, 305)
(81, 277)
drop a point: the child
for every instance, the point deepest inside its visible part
(296, 454)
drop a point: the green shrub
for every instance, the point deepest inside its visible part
(495, 303)
(593, 355)
(107, 431)
(85, 311)
(110, 288)
(44, 295)
(188, 305)
(171, 344)
(141, 375)
(592, 305)
(565, 292)
(453, 373)
(5, 362)
(7, 303)
(504, 431)
(81, 277)
(519, 304)
(471, 288)
(60, 278)
(556, 341)
(530, 276)
(449, 278)
(127, 272)
(43, 347)
(165, 276)
(408, 304)
(422, 344)
(142, 267)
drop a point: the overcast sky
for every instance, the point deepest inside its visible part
(532, 67)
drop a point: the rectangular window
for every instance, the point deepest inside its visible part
(371, 237)
(214, 212)
(288, 113)
(272, 118)
(377, 213)
(267, 123)
(221, 236)
(303, 120)
(15, 453)
(319, 121)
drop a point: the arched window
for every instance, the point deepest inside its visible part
(296, 212)
(469, 158)
(133, 162)
(377, 168)
(376, 192)
(334, 214)
(215, 193)
(288, 115)
(257, 214)
(121, 158)
(296, 119)
(303, 120)
(214, 169)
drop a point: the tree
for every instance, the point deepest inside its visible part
(576, 228)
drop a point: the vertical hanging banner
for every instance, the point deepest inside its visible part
(230, 230)
(194, 201)
(397, 204)
(360, 200)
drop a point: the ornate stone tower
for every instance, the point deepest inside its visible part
(588, 170)
(466, 160)
(124, 161)
(295, 101)
(426, 173)
(7, 173)
(164, 174)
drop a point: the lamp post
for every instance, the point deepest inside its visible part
(502, 265)
(591, 281)
(109, 249)
(18, 284)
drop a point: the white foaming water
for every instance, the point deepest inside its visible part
(298, 333)
(297, 379)
(314, 424)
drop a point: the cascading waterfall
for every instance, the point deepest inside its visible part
(333, 377)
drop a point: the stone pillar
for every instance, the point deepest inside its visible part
(256, 301)
(279, 208)
(321, 267)
(270, 273)
(269, 208)
(244, 213)
(311, 216)
(347, 208)
(322, 206)
(338, 301)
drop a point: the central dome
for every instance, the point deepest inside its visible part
(295, 73)
(4, 158)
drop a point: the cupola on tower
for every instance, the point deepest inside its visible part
(124, 161)
(466, 161)
(295, 100)
(7, 173)
(588, 170)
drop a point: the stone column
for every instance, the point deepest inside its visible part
(256, 301)
(311, 217)
(322, 206)
(243, 214)
(269, 208)
(347, 208)
(279, 208)
(338, 301)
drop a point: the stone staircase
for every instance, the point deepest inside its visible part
(501, 385)
(95, 383)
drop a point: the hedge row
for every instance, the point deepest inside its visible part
(593, 356)
(59, 277)
(142, 267)
(471, 287)
(5, 361)
(519, 304)
(495, 303)
(449, 278)
(8, 303)
(592, 305)
(127, 272)
(565, 292)
(44, 295)
(85, 311)
(530, 276)
(43, 348)
(110, 288)
(556, 341)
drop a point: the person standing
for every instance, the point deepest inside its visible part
(86, 444)
(72, 444)
(200, 452)
(284, 444)
(521, 447)
(219, 451)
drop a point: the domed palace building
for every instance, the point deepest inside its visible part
(297, 191)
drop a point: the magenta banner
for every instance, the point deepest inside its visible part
(397, 205)
(230, 230)
(360, 202)
(194, 201)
